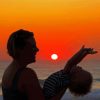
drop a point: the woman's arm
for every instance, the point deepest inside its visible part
(60, 94)
(78, 57)
(33, 89)
(31, 85)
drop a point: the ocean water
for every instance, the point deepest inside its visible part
(45, 68)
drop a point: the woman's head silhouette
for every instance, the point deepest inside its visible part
(22, 45)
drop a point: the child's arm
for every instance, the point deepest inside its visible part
(78, 57)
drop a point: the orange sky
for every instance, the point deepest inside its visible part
(60, 26)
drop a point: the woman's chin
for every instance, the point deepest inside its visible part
(34, 60)
(31, 61)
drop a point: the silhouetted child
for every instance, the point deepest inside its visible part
(72, 76)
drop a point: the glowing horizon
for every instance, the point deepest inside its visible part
(60, 26)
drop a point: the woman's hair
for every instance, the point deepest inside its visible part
(17, 40)
(81, 83)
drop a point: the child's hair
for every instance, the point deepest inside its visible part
(80, 83)
(17, 40)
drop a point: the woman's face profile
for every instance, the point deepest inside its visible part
(28, 53)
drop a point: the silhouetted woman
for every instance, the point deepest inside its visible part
(20, 82)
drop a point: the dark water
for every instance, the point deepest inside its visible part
(45, 68)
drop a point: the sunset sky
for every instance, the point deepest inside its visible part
(59, 26)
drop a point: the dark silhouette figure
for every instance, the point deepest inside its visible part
(20, 82)
(78, 81)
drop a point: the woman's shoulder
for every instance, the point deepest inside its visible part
(28, 72)
(28, 77)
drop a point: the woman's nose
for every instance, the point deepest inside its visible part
(35, 49)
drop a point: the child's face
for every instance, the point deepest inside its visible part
(81, 81)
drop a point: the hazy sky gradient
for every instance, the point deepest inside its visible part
(60, 26)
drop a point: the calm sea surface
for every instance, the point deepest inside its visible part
(45, 68)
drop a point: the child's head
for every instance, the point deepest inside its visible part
(80, 83)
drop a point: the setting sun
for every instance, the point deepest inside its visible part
(54, 56)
